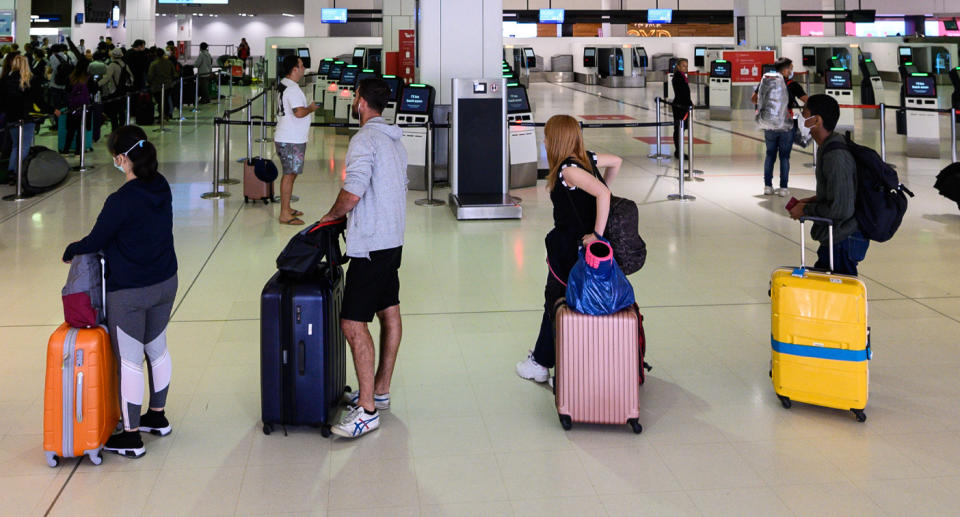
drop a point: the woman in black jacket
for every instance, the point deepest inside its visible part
(20, 91)
(135, 232)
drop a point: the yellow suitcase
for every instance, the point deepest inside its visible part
(819, 337)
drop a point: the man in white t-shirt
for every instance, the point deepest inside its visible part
(292, 133)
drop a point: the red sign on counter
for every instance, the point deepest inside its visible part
(407, 66)
(747, 65)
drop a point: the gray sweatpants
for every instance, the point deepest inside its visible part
(138, 319)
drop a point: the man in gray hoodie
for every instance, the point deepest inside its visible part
(374, 194)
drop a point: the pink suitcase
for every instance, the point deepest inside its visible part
(253, 188)
(599, 367)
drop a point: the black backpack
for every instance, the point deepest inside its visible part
(125, 82)
(881, 198)
(64, 69)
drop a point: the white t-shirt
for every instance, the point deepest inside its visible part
(290, 129)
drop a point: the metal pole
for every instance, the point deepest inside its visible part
(227, 180)
(263, 127)
(249, 135)
(196, 92)
(83, 142)
(216, 193)
(883, 132)
(681, 196)
(429, 201)
(658, 155)
(219, 77)
(19, 195)
(690, 146)
(163, 109)
(953, 136)
(128, 109)
(180, 109)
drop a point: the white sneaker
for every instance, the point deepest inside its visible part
(782, 192)
(531, 370)
(356, 423)
(767, 191)
(351, 398)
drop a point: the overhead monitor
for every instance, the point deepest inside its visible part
(838, 79)
(415, 100)
(517, 101)
(366, 73)
(950, 25)
(349, 75)
(871, 68)
(921, 86)
(551, 16)
(394, 83)
(659, 15)
(336, 70)
(325, 65)
(720, 68)
(328, 15)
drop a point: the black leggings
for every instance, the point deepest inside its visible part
(545, 353)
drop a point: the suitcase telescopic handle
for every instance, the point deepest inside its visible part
(803, 242)
(103, 286)
(79, 396)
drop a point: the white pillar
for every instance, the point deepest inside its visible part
(21, 19)
(763, 25)
(459, 39)
(142, 21)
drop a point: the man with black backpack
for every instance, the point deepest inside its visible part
(61, 64)
(836, 197)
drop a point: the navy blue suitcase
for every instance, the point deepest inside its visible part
(302, 351)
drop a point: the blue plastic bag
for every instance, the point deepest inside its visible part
(596, 285)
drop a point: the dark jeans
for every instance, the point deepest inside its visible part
(27, 142)
(545, 353)
(847, 254)
(114, 108)
(778, 142)
(204, 89)
(678, 115)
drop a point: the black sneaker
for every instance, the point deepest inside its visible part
(155, 423)
(127, 443)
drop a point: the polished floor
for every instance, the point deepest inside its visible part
(465, 435)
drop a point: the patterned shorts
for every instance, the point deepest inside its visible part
(291, 157)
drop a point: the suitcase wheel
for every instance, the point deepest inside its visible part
(635, 425)
(861, 416)
(566, 422)
(325, 431)
(95, 457)
(53, 460)
(785, 402)
(267, 429)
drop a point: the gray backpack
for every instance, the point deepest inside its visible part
(85, 292)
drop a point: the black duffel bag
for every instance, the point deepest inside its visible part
(306, 250)
(622, 231)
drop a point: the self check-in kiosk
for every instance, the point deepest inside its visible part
(906, 69)
(590, 67)
(839, 85)
(721, 81)
(904, 55)
(416, 107)
(322, 82)
(871, 87)
(809, 56)
(523, 140)
(923, 127)
(304, 54)
(479, 163)
(366, 73)
(333, 90)
(390, 112)
(344, 99)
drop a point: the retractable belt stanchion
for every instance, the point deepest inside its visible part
(658, 154)
(263, 127)
(216, 193)
(19, 195)
(163, 110)
(693, 170)
(196, 92)
(883, 132)
(429, 201)
(180, 108)
(219, 78)
(681, 196)
(227, 180)
(128, 109)
(83, 142)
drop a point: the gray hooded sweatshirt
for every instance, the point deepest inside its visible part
(377, 174)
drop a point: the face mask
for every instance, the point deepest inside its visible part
(791, 75)
(805, 135)
(118, 167)
(125, 153)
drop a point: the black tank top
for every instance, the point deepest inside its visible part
(574, 215)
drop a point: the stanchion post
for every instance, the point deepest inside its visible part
(249, 134)
(658, 154)
(128, 109)
(216, 193)
(883, 132)
(953, 136)
(429, 201)
(83, 142)
(693, 170)
(19, 195)
(163, 110)
(226, 147)
(680, 176)
(196, 92)
(219, 77)
(180, 108)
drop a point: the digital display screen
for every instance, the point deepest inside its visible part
(659, 15)
(479, 87)
(871, 68)
(415, 100)
(551, 15)
(325, 67)
(720, 69)
(332, 15)
(699, 51)
(950, 25)
(809, 51)
(921, 86)
(78, 19)
(303, 52)
(906, 51)
(517, 101)
(839, 79)
(335, 71)
(589, 52)
(366, 74)
(358, 52)
(394, 84)
(349, 76)
(528, 52)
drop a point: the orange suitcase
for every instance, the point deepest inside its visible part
(599, 367)
(81, 405)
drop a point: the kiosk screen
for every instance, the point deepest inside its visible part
(838, 79)
(335, 71)
(415, 100)
(589, 57)
(906, 51)
(809, 51)
(304, 54)
(720, 69)
(871, 68)
(698, 54)
(921, 86)
(394, 84)
(366, 74)
(517, 100)
(349, 76)
(325, 67)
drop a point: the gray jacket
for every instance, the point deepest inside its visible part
(376, 165)
(836, 192)
(204, 63)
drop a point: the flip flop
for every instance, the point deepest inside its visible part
(296, 213)
(296, 221)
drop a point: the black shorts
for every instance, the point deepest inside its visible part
(372, 285)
